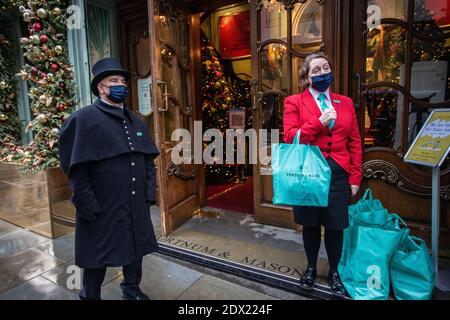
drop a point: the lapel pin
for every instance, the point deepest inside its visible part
(139, 134)
(337, 101)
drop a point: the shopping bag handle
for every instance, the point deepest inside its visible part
(368, 193)
(297, 137)
(417, 239)
(398, 219)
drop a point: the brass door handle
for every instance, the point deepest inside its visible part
(165, 95)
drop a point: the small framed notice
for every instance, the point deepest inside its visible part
(432, 144)
(145, 96)
(237, 118)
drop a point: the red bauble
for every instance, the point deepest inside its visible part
(54, 67)
(37, 26)
(34, 70)
(218, 74)
(61, 107)
(44, 38)
(62, 85)
(43, 75)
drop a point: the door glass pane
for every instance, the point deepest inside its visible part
(429, 14)
(383, 117)
(168, 59)
(307, 25)
(297, 64)
(165, 23)
(430, 71)
(183, 42)
(274, 23)
(98, 32)
(385, 52)
(388, 9)
(274, 67)
(272, 107)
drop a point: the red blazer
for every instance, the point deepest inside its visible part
(342, 143)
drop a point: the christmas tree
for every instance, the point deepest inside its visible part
(218, 97)
(9, 119)
(50, 81)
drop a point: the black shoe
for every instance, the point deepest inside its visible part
(337, 288)
(308, 278)
(139, 296)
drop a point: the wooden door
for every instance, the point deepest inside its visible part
(401, 71)
(281, 38)
(174, 97)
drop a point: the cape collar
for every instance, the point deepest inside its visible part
(117, 112)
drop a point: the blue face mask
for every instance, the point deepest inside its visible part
(322, 82)
(117, 93)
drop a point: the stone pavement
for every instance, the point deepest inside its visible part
(35, 267)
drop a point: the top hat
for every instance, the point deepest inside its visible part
(104, 68)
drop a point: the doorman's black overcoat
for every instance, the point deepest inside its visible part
(108, 155)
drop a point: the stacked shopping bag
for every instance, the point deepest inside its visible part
(379, 253)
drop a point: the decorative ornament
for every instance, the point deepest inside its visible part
(37, 26)
(42, 118)
(56, 11)
(35, 39)
(59, 49)
(43, 99)
(44, 38)
(61, 107)
(34, 70)
(55, 131)
(27, 16)
(2, 85)
(3, 117)
(54, 67)
(42, 13)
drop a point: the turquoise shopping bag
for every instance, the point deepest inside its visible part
(300, 174)
(368, 209)
(367, 251)
(412, 271)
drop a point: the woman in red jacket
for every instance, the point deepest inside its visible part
(327, 120)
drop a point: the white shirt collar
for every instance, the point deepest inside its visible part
(121, 105)
(316, 93)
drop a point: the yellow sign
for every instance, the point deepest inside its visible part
(433, 141)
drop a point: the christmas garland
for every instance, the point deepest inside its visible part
(50, 80)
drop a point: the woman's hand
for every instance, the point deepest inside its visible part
(354, 189)
(328, 115)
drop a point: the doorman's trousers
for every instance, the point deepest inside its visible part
(93, 279)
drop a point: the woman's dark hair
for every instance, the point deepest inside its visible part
(306, 67)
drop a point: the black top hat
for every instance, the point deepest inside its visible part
(104, 68)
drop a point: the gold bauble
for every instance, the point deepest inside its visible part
(56, 11)
(41, 118)
(3, 117)
(3, 85)
(27, 16)
(43, 99)
(42, 13)
(425, 56)
(59, 49)
(35, 39)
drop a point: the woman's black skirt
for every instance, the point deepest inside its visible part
(335, 216)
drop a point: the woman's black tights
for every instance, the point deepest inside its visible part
(333, 245)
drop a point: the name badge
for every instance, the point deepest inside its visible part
(139, 134)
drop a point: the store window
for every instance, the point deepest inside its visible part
(406, 70)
